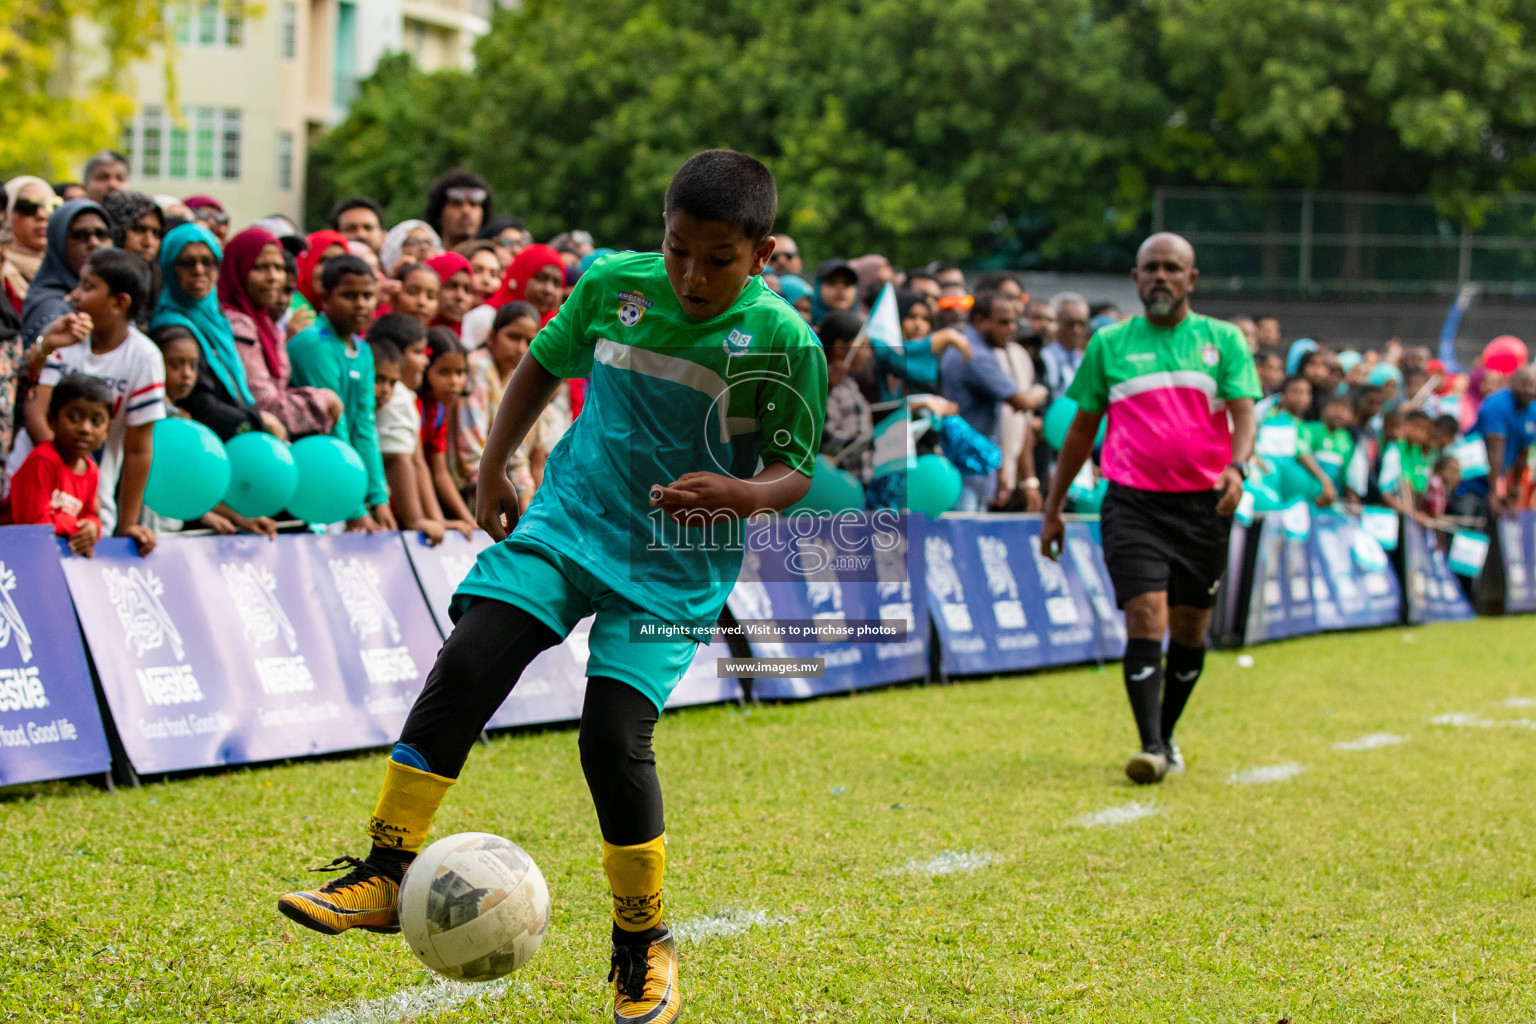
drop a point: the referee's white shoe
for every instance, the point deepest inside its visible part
(1147, 767)
(1175, 759)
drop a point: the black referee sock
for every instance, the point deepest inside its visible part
(1143, 668)
(1184, 667)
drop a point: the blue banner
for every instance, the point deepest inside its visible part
(1281, 604)
(49, 724)
(1434, 595)
(1000, 605)
(1517, 546)
(846, 567)
(1353, 583)
(231, 650)
(441, 568)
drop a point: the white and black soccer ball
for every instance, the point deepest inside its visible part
(474, 906)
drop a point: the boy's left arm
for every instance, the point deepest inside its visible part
(138, 452)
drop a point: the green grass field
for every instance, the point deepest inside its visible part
(809, 848)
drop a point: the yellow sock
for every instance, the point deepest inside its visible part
(634, 875)
(406, 806)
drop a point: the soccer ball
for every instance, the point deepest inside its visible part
(474, 906)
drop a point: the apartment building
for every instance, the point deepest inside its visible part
(254, 84)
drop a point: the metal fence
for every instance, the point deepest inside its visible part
(1352, 243)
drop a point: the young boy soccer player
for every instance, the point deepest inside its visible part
(697, 372)
(1179, 389)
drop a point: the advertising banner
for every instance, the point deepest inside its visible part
(1353, 584)
(1281, 604)
(441, 568)
(835, 570)
(1434, 595)
(1517, 546)
(230, 650)
(1000, 605)
(49, 724)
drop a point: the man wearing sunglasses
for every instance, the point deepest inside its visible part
(786, 257)
(459, 203)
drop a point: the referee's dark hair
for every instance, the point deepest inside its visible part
(727, 187)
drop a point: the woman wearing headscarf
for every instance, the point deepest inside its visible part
(221, 399)
(323, 246)
(138, 226)
(76, 229)
(28, 203)
(413, 239)
(536, 275)
(456, 295)
(251, 280)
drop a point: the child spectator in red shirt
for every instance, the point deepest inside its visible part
(57, 483)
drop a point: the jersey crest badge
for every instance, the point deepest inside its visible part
(736, 342)
(1210, 355)
(632, 306)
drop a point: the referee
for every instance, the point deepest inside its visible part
(1179, 390)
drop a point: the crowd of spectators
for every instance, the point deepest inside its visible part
(122, 308)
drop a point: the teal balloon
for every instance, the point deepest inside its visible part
(1058, 420)
(1090, 502)
(331, 480)
(933, 486)
(188, 470)
(262, 474)
(1265, 497)
(1296, 483)
(832, 491)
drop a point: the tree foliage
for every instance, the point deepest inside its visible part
(953, 128)
(63, 100)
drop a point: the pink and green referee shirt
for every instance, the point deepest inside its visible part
(1166, 392)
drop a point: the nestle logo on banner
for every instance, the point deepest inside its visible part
(253, 589)
(368, 614)
(944, 586)
(21, 689)
(147, 626)
(11, 625)
(171, 684)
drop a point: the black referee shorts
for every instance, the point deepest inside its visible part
(1156, 541)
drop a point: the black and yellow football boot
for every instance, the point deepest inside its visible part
(365, 897)
(645, 985)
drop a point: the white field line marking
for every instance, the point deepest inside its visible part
(1371, 742)
(730, 921)
(435, 996)
(1472, 720)
(1123, 815)
(1266, 773)
(1518, 702)
(946, 862)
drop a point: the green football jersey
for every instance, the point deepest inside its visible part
(668, 395)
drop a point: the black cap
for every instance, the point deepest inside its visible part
(834, 266)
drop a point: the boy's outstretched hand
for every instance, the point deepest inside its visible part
(496, 505)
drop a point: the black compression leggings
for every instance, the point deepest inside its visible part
(482, 660)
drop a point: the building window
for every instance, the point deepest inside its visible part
(288, 34)
(285, 161)
(126, 144)
(180, 15)
(234, 23)
(204, 151)
(345, 86)
(176, 166)
(149, 148)
(208, 23)
(230, 169)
